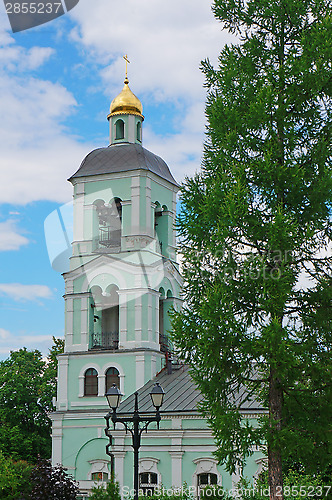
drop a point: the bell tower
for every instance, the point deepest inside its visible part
(122, 282)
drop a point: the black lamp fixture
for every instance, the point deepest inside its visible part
(137, 423)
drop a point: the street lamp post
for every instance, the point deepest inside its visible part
(138, 423)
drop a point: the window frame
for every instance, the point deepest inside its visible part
(88, 378)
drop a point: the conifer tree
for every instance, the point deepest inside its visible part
(255, 237)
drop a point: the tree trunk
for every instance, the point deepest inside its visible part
(274, 455)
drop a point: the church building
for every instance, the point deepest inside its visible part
(123, 280)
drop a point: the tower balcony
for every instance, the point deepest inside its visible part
(105, 340)
(109, 237)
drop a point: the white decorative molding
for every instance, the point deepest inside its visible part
(112, 364)
(205, 465)
(99, 465)
(150, 464)
(81, 378)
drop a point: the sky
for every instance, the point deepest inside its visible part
(57, 81)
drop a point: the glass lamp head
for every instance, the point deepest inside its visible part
(113, 396)
(157, 395)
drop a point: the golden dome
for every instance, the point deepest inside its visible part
(126, 102)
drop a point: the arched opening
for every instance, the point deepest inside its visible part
(110, 222)
(105, 318)
(110, 318)
(163, 339)
(158, 225)
(119, 129)
(91, 382)
(139, 131)
(112, 377)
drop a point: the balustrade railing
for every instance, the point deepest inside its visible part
(105, 340)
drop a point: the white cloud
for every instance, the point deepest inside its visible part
(165, 42)
(4, 334)
(18, 292)
(10, 239)
(37, 152)
(11, 342)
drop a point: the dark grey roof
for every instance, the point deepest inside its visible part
(181, 394)
(122, 158)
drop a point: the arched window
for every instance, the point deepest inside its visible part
(139, 131)
(91, 382)
(119, 129)
(109, 220)
(148, 481)
(110, 318)
(112, 377)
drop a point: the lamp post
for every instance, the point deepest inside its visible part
(138, 423)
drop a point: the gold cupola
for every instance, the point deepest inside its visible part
(126, 103)
(125, 116)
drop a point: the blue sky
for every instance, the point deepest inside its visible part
(57, 82)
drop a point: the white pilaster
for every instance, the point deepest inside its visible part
(153, 366)
(79, 212)
(140, 368)
(149, 318)
(138, 319)
(56, 439)
(149, 222)
(135, 205)
(101, 385)
(62, 398)
(176, 468)
(122, 318)
(69, 304)
(84, 323)
(119, 455)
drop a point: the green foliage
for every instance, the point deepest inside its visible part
(111, 492)
(27, 386)
(214, 492)
(296, 486)
(14, 479)
(162, 493)
(254, 227)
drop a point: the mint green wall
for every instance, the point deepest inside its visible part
(162, 194)
(126, 219)
(82, 444)
(194, 424)
(106, 190)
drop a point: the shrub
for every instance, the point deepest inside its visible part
(111, 492)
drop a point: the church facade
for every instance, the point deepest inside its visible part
(123, 280)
